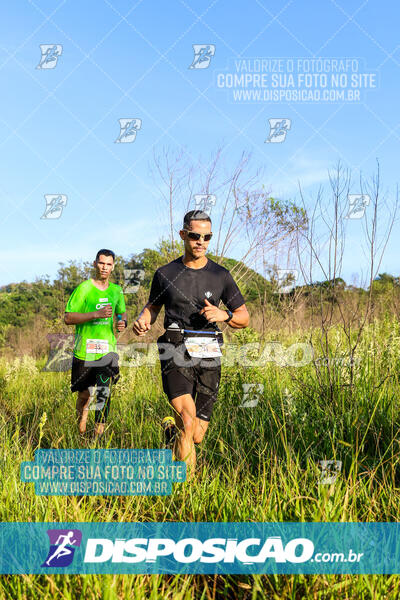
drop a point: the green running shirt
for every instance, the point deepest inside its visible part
(95, 338)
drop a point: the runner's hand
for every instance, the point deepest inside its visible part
(104, 312)
(120, 325)
(212, 313)
(141, 326)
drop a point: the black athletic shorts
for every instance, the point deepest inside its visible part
(83, 372)
(200, 380)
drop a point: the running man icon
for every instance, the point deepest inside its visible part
(62, 549)
(62, 542)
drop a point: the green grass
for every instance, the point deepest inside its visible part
(256, 464)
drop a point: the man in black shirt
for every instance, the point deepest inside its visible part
(191, 288)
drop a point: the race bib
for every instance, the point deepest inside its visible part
(203, 347)
(94, 346)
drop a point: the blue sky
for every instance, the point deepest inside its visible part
(123, 59)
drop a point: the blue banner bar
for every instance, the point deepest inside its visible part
(179, 548)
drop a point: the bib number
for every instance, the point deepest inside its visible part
(202, 347)
(94, 346)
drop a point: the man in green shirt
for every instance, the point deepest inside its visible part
(91, 308)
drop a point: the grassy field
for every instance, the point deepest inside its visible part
(256, 464)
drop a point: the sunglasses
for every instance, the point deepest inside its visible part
(197, 236)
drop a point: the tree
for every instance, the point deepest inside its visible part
(325, 255)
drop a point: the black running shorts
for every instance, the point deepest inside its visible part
(200, 380)
(83, 372)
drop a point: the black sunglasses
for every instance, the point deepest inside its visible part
(197, 236)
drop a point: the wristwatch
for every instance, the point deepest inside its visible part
(230, 315)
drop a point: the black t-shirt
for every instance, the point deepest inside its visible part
(183, 290)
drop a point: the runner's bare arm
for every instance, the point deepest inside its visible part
(240, 318)
(146, 319)
(74, 318)
(213, 314)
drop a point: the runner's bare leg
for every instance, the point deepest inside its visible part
(82, 409)
(200, 429)
(185, 421)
